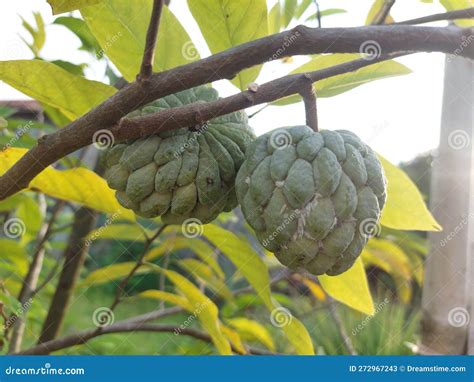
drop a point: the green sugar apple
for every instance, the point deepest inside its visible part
(184, 173)
(313, 198)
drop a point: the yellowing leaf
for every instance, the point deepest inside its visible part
(167, 297)
(405, 208)
(389, 257)
(204, 309)
(76, 185)
(61, 6)
(111, 273)
(332, 86)
(234, 339)
(350, 288)
(120, 28)
(315, 289)
(374, 12)
(252, 330)
(254, 270)
(122, 232)
(228, 23)
(48, 83)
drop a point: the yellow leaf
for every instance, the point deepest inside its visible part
(315, 289)
(234, 338)
(204, 309)
(61, 6)
(167, 297)
(405, 208)
(249, 263)
(389, 257)
(350, 288)
(375, 10)
(111, 273)
(252, 330)
(48, 83)
(76, 185)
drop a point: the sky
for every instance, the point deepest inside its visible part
(398, 117)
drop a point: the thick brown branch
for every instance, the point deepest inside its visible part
(226, 64)
(150, 44)
(122, 327)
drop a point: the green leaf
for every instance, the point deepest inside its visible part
(332, 86)
(249, 263)
(350, 288)
(274, 19)
(81, 30)
(38, 34)
(54, 86)
(62, 6)
(30, 213)
(289, 9)
(327, 12)
(77, 185)
(13, 258)
(204, 309)
(120, 27)
(228, 23)
(77, 70)
(374, 11)
(452, 5)
(252, 330)
(405, 208)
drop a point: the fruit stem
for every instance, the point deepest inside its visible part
(309, 98)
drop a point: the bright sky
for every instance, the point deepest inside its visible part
(398, 117)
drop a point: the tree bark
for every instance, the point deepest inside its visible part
(445, 291)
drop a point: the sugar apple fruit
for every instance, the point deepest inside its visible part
(184, 173)
(313, 198)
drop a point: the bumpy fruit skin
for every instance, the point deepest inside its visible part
(313, 198)
(184, 173)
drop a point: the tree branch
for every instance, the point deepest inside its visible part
(224, 65)
(123, 327)
(467, 13)
(151, 37)
(309, 99)
(381, 17)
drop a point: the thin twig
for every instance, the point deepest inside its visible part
(150, 44)
(123, 327)
(382, 15)
(467, 13)
(309, 99)
(340, 327)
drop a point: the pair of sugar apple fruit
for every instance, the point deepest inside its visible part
(311, 197)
